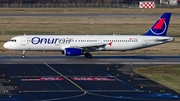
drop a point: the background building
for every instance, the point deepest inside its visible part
(171, 2)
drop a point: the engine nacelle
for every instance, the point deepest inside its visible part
(73, 52)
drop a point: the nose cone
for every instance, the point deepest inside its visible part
(6, 45)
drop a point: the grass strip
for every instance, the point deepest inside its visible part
(87, 10)
(165, 75)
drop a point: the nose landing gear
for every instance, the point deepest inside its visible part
(23, 54)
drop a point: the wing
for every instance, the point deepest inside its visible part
(92, 46)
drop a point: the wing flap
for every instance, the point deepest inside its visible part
(89, 47)
(92, 46)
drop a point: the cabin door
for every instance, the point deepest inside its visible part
(99, 40)
(23, 41)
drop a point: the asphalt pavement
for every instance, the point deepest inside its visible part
(54, 82)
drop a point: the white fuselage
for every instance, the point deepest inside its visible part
(60, 42)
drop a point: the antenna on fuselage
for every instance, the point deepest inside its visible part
(25, 34)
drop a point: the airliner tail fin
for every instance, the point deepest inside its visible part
(161, 26)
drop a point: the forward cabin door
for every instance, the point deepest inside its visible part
(28, 43)
(23, 41)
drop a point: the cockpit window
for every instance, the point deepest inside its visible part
(12, 40)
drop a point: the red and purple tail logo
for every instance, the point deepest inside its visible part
(161, 26)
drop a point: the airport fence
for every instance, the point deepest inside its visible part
(90, 5)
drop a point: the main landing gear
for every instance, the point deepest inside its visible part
(88, 55)
(23, 54)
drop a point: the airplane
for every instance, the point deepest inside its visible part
(75, 45)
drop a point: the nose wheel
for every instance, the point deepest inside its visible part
(23, 54)
(88, 55)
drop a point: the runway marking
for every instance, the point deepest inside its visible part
(81, 91)
(65, 77)
(90, 92)
(62, 98)
(44, 75)
(69, 81)
(92, 79)
(121, 81)
(69, 71)
(61, 76)
(42, 79)
(38, 70)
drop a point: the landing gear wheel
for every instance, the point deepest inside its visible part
(86, 54)
(89, 56)
(23, 56)
(62, 52)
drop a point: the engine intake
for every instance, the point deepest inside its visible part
(72, 52)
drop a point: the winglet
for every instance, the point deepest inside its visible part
(161, 26)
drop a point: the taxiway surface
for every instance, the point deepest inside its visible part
(54, 78)
(97, 59)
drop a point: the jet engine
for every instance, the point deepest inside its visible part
(73, 51)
